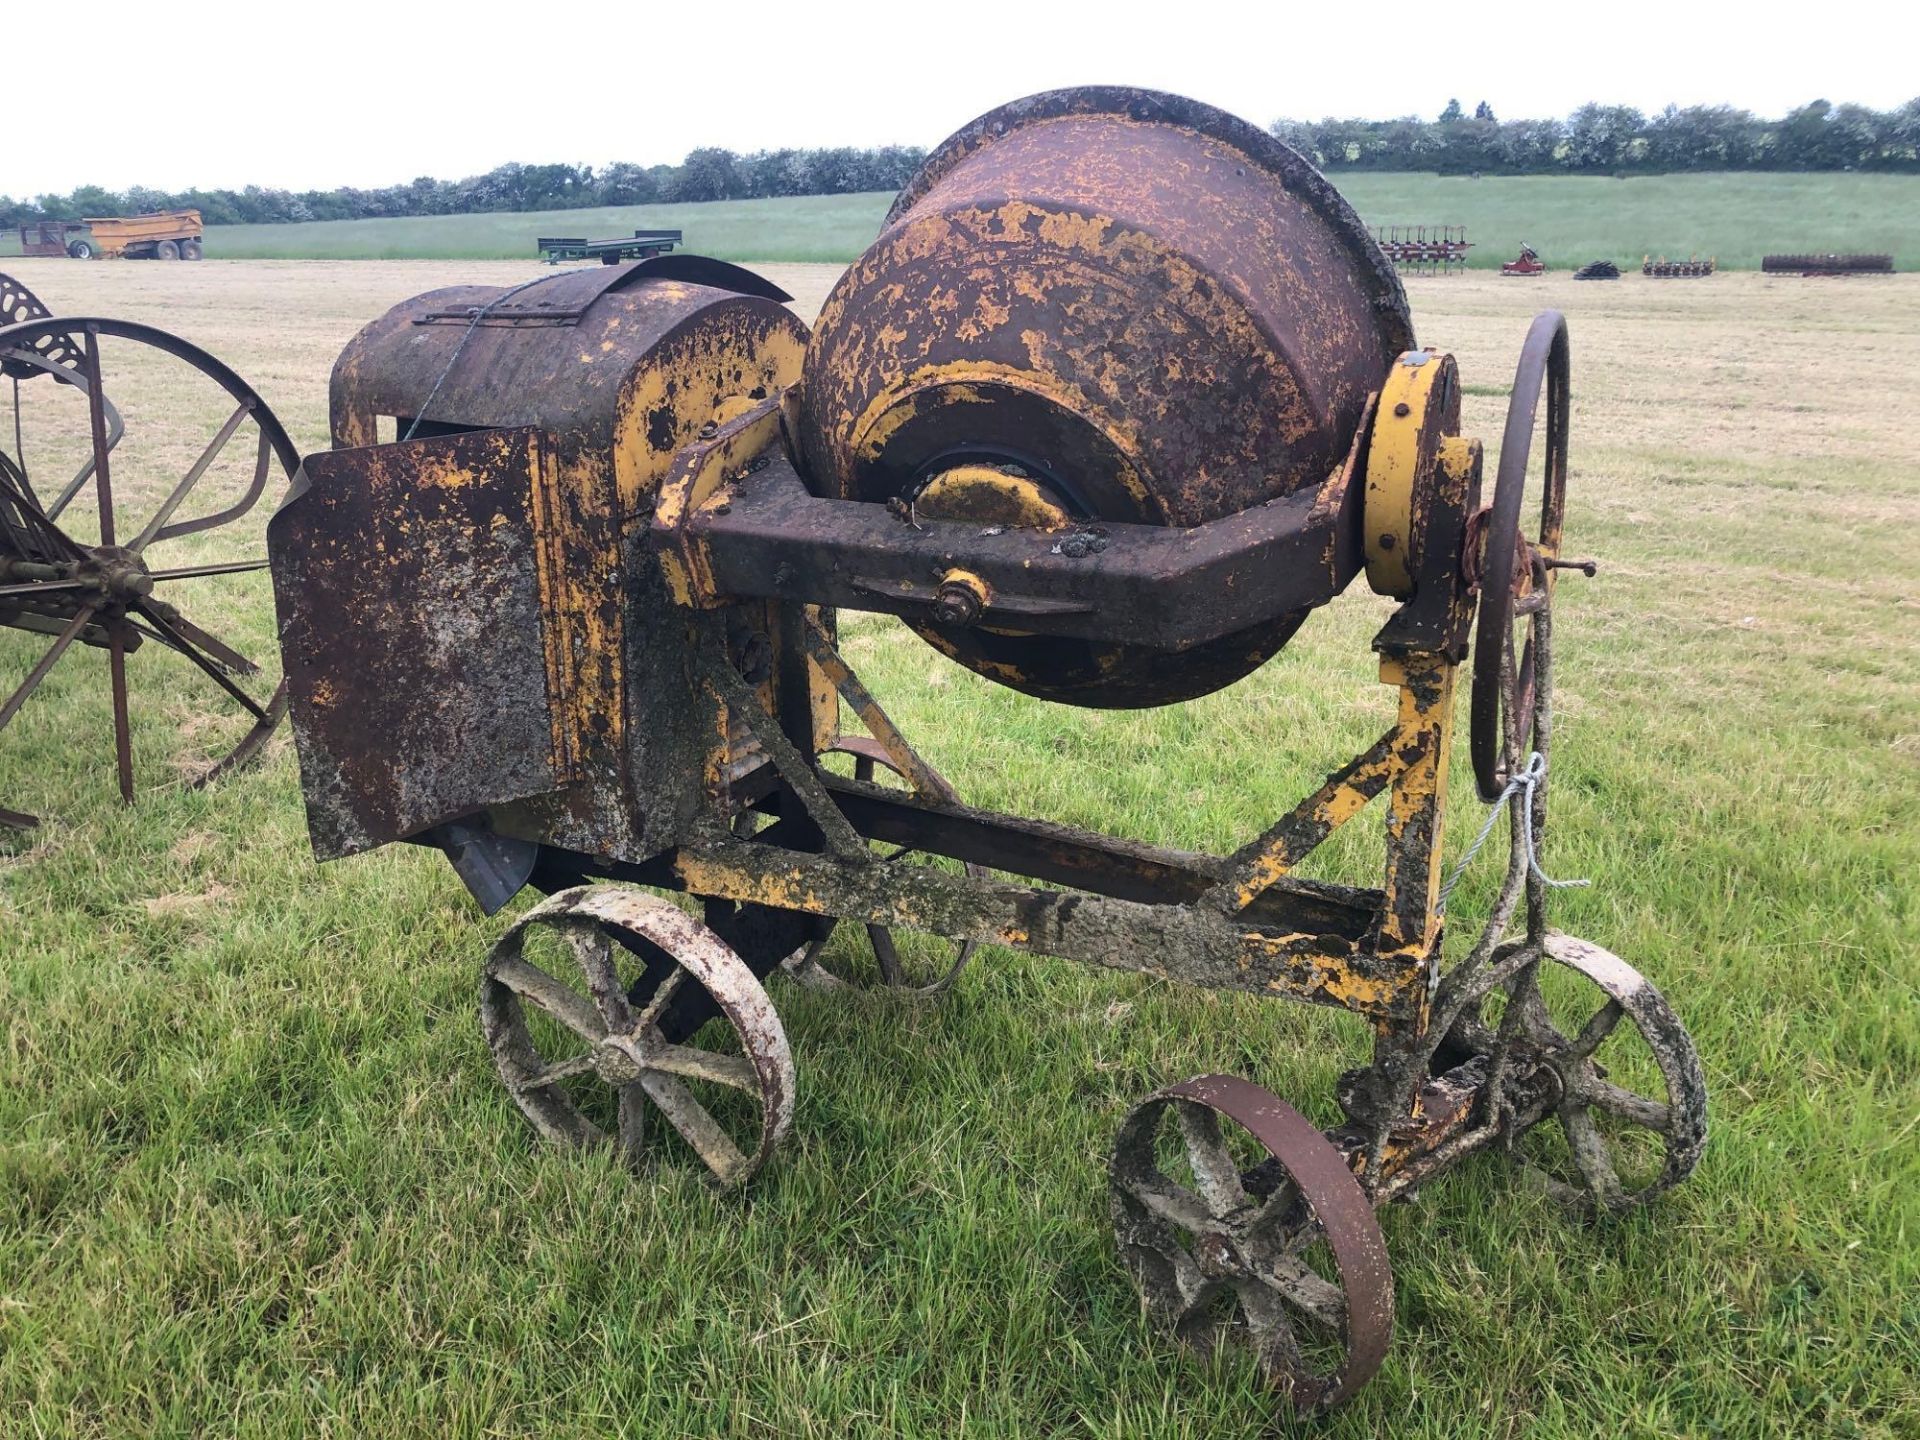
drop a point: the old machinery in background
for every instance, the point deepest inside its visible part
(92, 517)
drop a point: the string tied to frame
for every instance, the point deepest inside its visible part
(1519, 791)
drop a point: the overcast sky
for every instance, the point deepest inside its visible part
(346, 92)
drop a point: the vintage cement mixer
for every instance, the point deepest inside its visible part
(1122, 394)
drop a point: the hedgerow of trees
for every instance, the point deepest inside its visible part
(1594, 140)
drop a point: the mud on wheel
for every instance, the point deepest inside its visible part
(1239, 1221)
(1620, 1097)
(607, 1009)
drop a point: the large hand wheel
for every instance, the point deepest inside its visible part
(76, 551)
(1516, 570)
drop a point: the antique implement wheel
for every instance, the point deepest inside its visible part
(88, 577)
(807, 964)
(1620, 1145)
(597, 1026)
(1282, 1250)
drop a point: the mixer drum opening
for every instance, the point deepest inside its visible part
(1140, 307)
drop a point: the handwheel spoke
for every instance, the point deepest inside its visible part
(562, 1002)
(698, 1128)
(1214, 1168)
(694, 1064)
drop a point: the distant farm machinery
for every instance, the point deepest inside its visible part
(1104, 442)
(1527, 262)
(78, 533)
(1424, 249)
(1827, 265)
(1691, 268)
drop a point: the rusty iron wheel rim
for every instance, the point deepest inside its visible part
(1583, 1087)
(104, 594)
(806, 964)
(1502, 701)
(1249, 1229)
(626, 1049)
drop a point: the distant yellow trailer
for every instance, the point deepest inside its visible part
(162, 235)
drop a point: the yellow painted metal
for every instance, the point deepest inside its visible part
(1414, 404)
(695, 479)
(990, 495)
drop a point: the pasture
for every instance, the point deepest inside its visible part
(257, 1175)
(1570, 219)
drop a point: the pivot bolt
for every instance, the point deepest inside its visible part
(960, 598)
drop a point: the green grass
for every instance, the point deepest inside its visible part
(1737, 217)
(257, 1176)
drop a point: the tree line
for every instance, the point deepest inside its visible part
(1618, 140)
(1593, 140)
(709, 173)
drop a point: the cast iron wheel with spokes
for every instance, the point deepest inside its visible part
(1258, 1233)
(1628, 1101)
(75, 555)
(581, 1047)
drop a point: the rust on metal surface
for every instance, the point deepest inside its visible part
(1147, 311)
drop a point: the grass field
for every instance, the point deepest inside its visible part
(1570, 219)
(257, 1176)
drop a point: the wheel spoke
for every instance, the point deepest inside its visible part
(1598, 1028)
(1308, 1292)
(565, 1004)
(219, 676)
(560, 1070)
(1169, 1200)
(691, 1063)
(657, 1002)
(633, 1121)
(47, 661)
(593, 951)
(881, 939)
(200, 572)
(216, 650)
(122, 728)
(1214, 1168)
(1589, 1149)
(192, 478)
(97, 425)
(696, 1126)
(1615, 1100)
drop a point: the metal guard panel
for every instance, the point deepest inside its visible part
(415, 624)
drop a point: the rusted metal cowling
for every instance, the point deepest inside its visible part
(1102, 305)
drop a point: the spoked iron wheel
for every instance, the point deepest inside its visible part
(580, 1025)
(87, 550)
(1624, 1085)
(1253, 1230)
(1515, 570)
(910, 973)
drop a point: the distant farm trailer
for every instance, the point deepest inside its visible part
(641, 245)
(1425, 249)
(161, 235)
(1827, 264)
